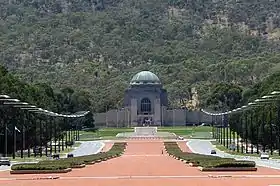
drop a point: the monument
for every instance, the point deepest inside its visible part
(146, 104)
(146, 99)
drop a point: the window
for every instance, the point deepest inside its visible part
(146, 105)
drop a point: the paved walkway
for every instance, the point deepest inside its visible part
(205, 146)
(88, 147)
(144, 164)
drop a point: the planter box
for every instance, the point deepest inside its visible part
(228, 169)
(39, 171)
(78, 166)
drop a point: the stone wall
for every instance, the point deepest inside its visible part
(174, 117)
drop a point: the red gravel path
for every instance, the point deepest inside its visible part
(141, 159)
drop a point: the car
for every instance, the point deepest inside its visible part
(264, 155)
(213, 152)
(180, 138)
(5, 161)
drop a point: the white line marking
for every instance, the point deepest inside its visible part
(151, 177)
(174, 176)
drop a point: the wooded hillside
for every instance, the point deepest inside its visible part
(96, 46)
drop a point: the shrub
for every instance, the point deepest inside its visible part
(205, 160)
(64, 163)
(36, 166)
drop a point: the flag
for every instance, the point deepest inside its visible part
(17, 129)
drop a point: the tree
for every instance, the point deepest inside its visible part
(225, 96)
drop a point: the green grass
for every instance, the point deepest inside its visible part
(189, 132)
(110, 133)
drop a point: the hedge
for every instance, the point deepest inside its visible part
(64, 163)
(206, 161)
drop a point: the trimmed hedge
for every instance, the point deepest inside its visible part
(116, 150)
(206, 161)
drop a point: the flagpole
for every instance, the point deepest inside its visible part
(15, 143)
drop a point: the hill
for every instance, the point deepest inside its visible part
(97, 46)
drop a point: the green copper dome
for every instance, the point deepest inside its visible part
(145, 77)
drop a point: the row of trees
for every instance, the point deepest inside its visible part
(258, 125)
(38, 128)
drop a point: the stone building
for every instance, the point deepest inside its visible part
(146, 99)
(146, 103)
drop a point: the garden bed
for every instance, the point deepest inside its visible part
(208, 162)
(228, 169)
(61, 165)
(40, 171)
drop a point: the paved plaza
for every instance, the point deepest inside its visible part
(143, 163)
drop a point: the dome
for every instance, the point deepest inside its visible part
(145, 77)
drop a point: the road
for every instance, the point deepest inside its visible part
(86, 148)
(205, 146)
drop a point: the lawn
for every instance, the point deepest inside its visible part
(110, 133)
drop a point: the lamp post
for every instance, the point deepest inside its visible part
(254, 105)
(239, 128)
(246, 130)
(212, 123)
(228, 127)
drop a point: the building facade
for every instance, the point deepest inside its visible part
(146, 103)
(145, 99)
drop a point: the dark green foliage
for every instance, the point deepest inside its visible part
(97, 46)
(33, 166)
(41, 95)
(225, 96)
(208, 161)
